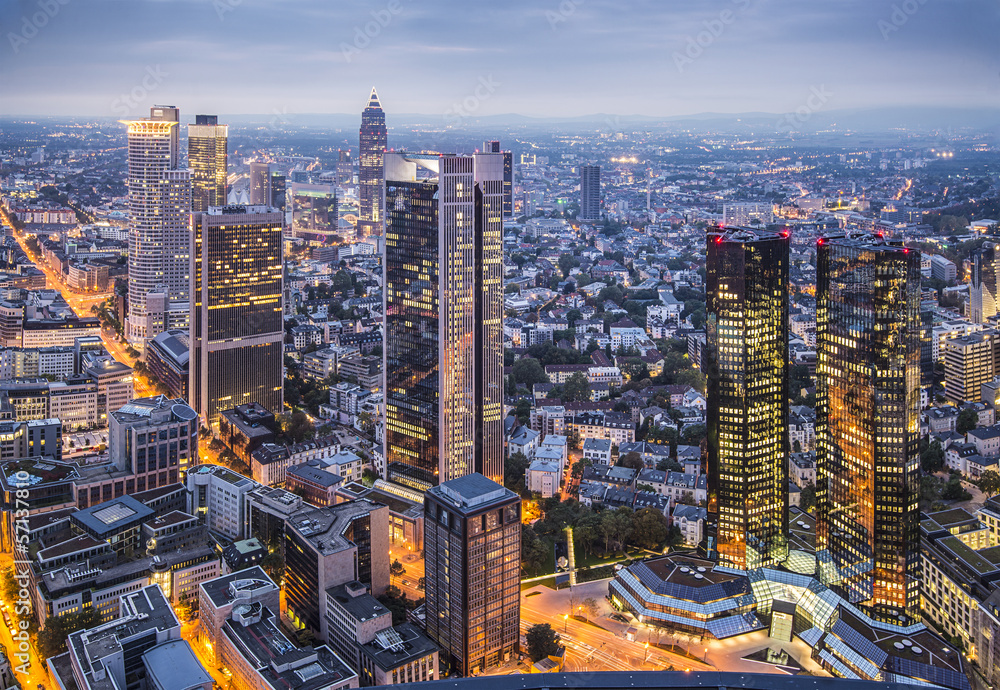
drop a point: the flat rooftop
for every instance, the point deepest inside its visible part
(251, 579)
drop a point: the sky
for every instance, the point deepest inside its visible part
(468, 58)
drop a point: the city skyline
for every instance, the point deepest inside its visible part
(760, 56)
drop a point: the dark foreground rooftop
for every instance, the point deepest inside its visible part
(653, 679)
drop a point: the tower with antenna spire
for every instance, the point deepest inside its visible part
(371, 167)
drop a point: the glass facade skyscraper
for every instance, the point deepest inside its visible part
(985, 282)
(208, 157)
(868, 421)
(443, 362)
(747, 356)
(159, 199)
(590, 192)
(237, 329)
(371, 167)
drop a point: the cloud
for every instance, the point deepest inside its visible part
(551, 57)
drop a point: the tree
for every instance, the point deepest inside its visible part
(534, 550)
(576, 388)
(968, 419)
(631, 460)
(513, 472)
(542, 641)
(807, 497)
(397, 569)
(932, 458)
(954, 491)
(274, 565)
(529, 371)
(523, 411)
(989, 482)
(52, 640)
(567, 262)
(649, 528)
(573, 439)
(590, 607)
(396, 602)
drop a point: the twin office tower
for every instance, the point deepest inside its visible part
(867, 411)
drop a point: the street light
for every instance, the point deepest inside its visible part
(646, 656)
(565, 621)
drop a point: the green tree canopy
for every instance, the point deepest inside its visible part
(542, 641)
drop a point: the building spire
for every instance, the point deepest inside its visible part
(373, 101)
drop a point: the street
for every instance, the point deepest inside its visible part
(38, 673)
(589, 646)
(414, 566)
(601, 645)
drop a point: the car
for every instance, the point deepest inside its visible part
(406, 583)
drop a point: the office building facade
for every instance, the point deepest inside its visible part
(984, 284)
(508, 175)
(159, 197)
(747, 355)
(267, 186)
(444, 309)
(472, 547)
(868, 421)
(371, 167)
(208, 155)
(590, 192)
(237, 328)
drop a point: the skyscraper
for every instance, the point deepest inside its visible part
(747, 357)
(345, 168)
(508, 175)
(371, 168)
(237, 328)
(590, 192)
(443, 266)
(472, 551)
(159, 197)
(267, 186)
(207, 156)
(868, 421)
(985, 282)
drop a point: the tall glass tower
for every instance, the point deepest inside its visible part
(371, 167)
(443, 362)
(590, 192)
(208, 157)
(868, 421)
(237, 328)
(985, 282)
(747, 351)
(159, 198)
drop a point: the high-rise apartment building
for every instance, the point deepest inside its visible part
(868, 421)
(590, 192)
(267, 186)
(444, 313)
(968, 364)
(508, 175)
(472, 547)
(371, 167)
(237, 328)
(208, 157)
(159, 196)
(985, 282)
(747, 367)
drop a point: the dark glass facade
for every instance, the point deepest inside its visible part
(747, 368)
(472, 550)
(208, 157)
(868, 331)
(985, 282)
(237, 332)
(443, 276)
(370, 168)
(590, 192)
(301, 580)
